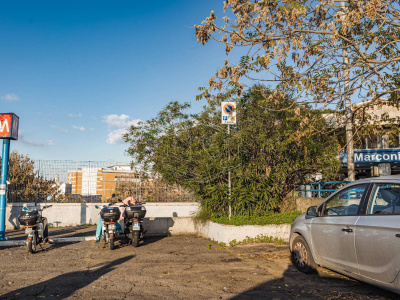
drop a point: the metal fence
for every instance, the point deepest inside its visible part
(87, 181)
(319, 189)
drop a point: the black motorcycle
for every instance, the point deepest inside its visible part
(35, 227)
(133, 222)
(110, 216)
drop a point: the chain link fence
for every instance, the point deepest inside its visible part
(88, 181)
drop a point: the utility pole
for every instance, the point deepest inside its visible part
(348, 113)
(229, 177)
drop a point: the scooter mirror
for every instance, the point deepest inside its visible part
(49, 198)
(25, 208)
(113, 195)
(96, 206)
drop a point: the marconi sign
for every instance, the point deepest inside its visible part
(371, 157)
(376, 157)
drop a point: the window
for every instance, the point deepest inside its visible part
(385, 199)
(345, 202)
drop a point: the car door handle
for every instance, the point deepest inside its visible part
(347, 229)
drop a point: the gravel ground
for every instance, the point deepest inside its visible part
(177, 267)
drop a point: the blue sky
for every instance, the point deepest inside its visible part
(77, 73)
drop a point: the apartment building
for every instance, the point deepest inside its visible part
(108, 179)
(83, 181)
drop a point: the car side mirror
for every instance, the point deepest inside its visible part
(312, 211)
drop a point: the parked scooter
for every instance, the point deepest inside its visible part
(133, 222)
(35, 227)
(110, 216)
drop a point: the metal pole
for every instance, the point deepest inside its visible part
(229, 176)
(37, 186)
(319, 189)
(349, 124)
(140, 190)
(3, 187)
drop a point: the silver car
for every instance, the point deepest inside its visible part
(355, 231)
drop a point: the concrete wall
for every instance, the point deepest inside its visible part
(161, 219)
(227, 233)
(217, 232)
(69, 214)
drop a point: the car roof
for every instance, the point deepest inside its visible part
(393, 178)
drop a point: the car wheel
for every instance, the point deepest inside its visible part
(301, 255)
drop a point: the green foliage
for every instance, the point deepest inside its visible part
(273, 147)
(272, 218)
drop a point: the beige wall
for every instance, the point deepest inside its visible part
(303, 203)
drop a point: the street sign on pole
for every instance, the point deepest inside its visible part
(228, 112)
(8, 131)
(228, 116)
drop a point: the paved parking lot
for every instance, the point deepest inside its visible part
(177, 267)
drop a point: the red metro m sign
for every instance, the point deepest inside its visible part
(9, 126)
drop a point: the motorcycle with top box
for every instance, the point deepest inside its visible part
(35, 227)
(110, 216)
(134, 215)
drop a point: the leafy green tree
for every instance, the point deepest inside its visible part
(270, 150)
(300, 43)
(329, 52)
(25, 185)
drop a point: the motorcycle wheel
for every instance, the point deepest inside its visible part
(32, 244)
(104, 239)
(111, 242)
(135, 239)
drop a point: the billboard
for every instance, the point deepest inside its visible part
(9, 126)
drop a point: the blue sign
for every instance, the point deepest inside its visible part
(229, 108)
(367, 157)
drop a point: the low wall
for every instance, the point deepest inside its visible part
(161, 219)
(71, 214)
(217, 232)
(227, 233)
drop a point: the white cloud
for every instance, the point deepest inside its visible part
(10, 97)
(118, 126)
(75, 115)
(29, 142)
(59, 129)
(32, 143)
(81, 128)
(115, 136)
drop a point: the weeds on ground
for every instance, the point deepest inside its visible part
(258, 239)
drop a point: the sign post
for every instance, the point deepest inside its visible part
(228, 116)
(8, 131)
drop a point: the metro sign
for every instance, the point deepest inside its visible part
(9, 126)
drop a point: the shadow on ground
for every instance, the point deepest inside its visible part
(64, 285)
(73, 231)
(296, 285)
